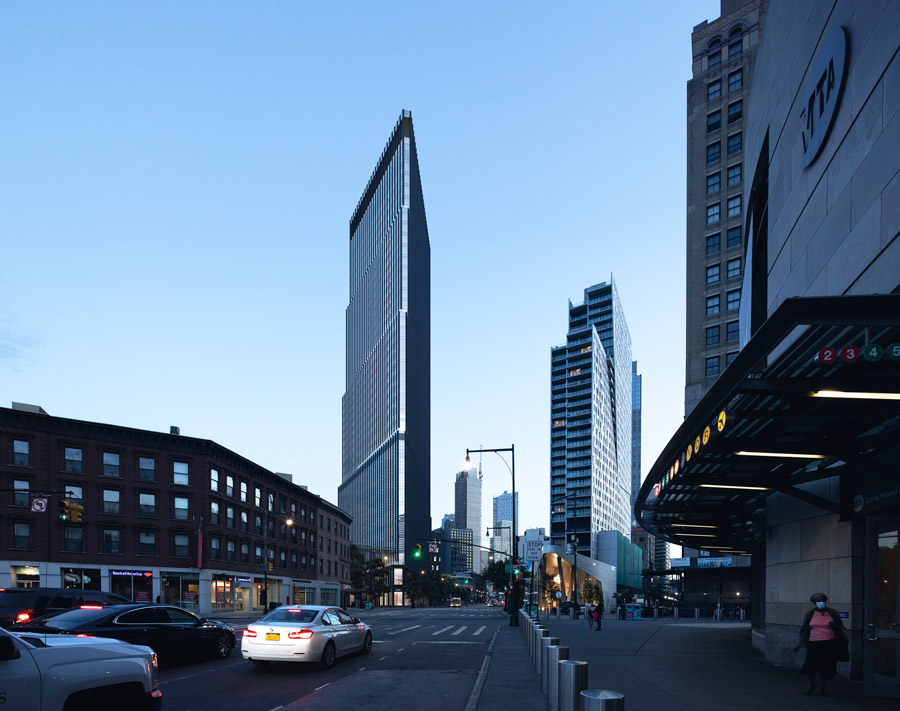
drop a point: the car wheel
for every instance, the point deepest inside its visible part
(328, 655)
(260, 662)
(224, 644)
(367, 643)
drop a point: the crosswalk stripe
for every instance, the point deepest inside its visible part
(459, 630)
(478, 631)
(443, 630)
(405, 629)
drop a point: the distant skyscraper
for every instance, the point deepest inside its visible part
(635, 437)
(590, 434)
(386, 480)
(468, 510)
(503, 508)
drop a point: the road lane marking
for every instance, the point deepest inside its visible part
(191, 676)
(383, 658)
(322, 687)
(459, 630)
(405, 629)
(447, 641)
(478, 631)
(434, 634)
(402, 648)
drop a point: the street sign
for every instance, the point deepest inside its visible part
(509, 568)
(558, 594)
(533, 551)
(434, 547)
(39, 505)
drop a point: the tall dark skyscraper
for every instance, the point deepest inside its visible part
(386, 477)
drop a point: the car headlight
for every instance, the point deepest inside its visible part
(154, 671)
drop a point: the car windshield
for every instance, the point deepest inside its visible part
(72, 619)
(15, 599)
(290, 614)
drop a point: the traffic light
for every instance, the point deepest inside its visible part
(75, 512)
(64, 509)
(417, 551)
(517, 573)
(270, 567)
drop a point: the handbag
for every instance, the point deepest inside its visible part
(840, 649)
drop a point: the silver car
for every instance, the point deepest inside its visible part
(305, 633)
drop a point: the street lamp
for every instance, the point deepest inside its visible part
(289, 522)
(514, 615)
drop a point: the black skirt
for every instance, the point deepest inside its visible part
(819, 659)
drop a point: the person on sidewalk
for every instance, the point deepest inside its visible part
(589, 616)
(598, 617)
(821, 627)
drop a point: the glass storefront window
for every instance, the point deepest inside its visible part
(136, 585)
(83, 578)
(329, 596)
(25, 576)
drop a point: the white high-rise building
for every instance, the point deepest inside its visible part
(468, 511)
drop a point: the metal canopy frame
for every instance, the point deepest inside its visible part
(766, 395)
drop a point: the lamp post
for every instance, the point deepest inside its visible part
(289, 522)
(514, 618)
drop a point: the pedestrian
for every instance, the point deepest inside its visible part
(598, 617)
(821, 630)
(589, 616)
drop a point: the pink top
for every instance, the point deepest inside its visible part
(819, 630)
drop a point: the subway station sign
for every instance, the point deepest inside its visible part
(823, 93)
(703, 439)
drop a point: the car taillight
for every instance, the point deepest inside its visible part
(154, 667)
(91, 607)
(249, 633)
(302, 634)
(23, 617)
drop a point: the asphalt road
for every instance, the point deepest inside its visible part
(422, 656)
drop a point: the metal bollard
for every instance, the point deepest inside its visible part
(535, 633)
(555, 655)
(547, 642)
(655, 613)
(602, 700)
(538, 646)
(541, 655)
(573, 679)
(697, 614)
(675, 612)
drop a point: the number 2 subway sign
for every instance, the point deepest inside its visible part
(703, 439)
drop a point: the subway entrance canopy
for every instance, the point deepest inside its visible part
(813, 396)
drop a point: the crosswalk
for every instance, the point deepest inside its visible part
(453, 630)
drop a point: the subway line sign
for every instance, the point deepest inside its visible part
(703, 438)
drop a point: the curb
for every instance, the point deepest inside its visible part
(475, 696)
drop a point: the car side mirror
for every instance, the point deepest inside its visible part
(355, 620)
(202, 620)
(8, 649)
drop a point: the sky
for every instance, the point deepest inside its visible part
(177, 180)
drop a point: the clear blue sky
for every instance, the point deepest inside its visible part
(177, 179)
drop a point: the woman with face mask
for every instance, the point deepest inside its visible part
(821, 627)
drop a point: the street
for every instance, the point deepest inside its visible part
(433, 652)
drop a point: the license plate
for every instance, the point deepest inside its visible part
(272, 636)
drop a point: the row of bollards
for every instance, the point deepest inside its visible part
(563, 680)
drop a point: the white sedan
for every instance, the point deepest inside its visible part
(305, 633)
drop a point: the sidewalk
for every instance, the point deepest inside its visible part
(679, 666)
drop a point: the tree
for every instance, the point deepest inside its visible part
(625, 596)
(359, 574)
(551, 587)
(495, 572)
(592, 593)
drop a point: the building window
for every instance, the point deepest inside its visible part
(712, 274)
(257, 525)
(147, 505)
(216, 546)
(712, 305)
(21, 492)
(181, 545)
(736, 80)
(712, 214)
(714, 90)
(146, 469)
(712, 336)
(180, 473)
(244, 491)
(734, 237)
(73, 460)
(735, 143)
(259, 555)
(312, 517)
(245, 522)
(712, 365)
(714, 60)
(257, 495)
(213, 479)
(111, 502)
(303, 561)
(270, 528)
(293, 511)
(734, 206)
(229, 516)
(303, 537)
(283, 559)
(732, 331)
(303, 514)
(22, 535)
(735, 174)
(735, 111)
(713, 183)
(735, 49)
(733, 268)
(21, 453)
(214, 512)
(229, 486)
(230, 551)
(110, 464)
(111, 541)
(714, 120)
(733, 299)
(147, 543)
(713, 243)
(181, 511)
(729, 358)
(282, 504)
(271, 502)
(714, 151)
(74, 494)
(73, 537)
(245, 552)
(293, 561)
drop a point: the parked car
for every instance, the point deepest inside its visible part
(168, 630)
(24, 604)
(305, 633)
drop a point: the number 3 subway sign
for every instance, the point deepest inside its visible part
(872, 352)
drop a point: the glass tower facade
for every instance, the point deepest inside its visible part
(635, 437)
(591, 420)
(386, 408)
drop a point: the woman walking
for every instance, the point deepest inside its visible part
(821, 627)
(589, 616)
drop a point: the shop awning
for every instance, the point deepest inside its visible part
(813, 396)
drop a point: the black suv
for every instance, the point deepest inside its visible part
(24, 604)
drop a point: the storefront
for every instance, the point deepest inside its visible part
(181, 589)
(303, 593)
(25, 576)
(83, 578)
(136, 585)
